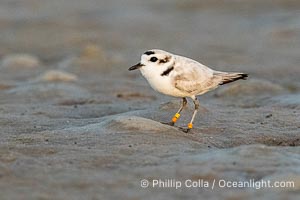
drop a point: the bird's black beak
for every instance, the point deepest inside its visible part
(137, 66)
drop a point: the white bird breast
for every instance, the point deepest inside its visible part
(162, 84)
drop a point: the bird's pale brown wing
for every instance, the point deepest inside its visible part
(194, 79)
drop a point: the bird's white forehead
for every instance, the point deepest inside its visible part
(156, 51)
(160, 54)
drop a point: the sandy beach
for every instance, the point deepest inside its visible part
(76, 124)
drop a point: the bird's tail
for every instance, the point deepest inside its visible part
(229, 77)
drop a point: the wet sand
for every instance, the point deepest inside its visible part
(76, 124)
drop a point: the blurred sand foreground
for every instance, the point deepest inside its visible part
(75, 124)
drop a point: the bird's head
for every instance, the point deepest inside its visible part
(154, 61)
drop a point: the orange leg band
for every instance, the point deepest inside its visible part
(176, 116)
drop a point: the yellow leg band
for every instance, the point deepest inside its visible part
(176, 116)
(190, 125)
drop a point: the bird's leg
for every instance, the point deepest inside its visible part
(177, 115)
(190, 125)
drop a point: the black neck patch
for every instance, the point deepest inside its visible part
(167, 72)
(149, 52)
(165, 60)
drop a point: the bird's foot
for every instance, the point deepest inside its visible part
(174, 119)
(186, 130)
(168, 123)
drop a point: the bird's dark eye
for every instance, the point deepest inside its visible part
(153, 59)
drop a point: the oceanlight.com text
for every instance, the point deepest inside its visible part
(221, 183)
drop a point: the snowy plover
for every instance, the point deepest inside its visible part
(183, 77)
